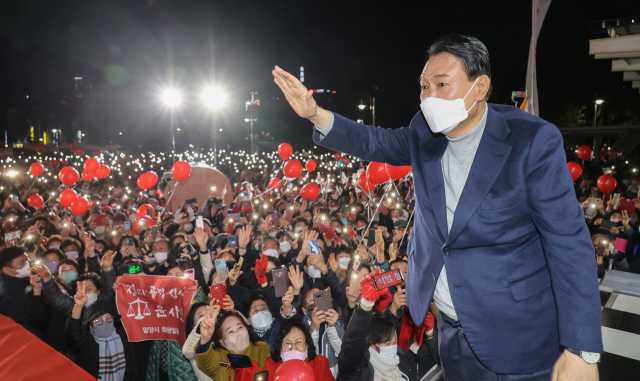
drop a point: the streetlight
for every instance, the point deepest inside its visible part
(372, 107)
(172, 99)
(214, 98)
(595, 115)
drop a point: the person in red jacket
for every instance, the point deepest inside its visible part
(294, 343)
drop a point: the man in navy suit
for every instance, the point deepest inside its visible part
(499, 242)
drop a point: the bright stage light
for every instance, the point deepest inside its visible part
(171, 97)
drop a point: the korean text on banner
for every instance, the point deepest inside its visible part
(154, 307)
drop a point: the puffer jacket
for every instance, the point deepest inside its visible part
(188, 350)
(178, 367)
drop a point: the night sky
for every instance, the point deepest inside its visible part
(130, 50)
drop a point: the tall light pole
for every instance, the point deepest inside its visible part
(372, 107)
(172, 99)
(214, 98)
(595, 115)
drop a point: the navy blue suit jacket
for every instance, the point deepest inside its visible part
(520, 263)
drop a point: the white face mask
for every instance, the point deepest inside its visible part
(257, 246)
(443, 115)
(99, 230)
(72, 254)
(161, 256)
(272, 234)
(54, 246)
(262, 319)
(285, 246)
(390, 351)
(333, 209)
(338, 230)
(91, 298)
(335, 196)
(24, 271)
(188, 227)
(271, 253)
(343, 263)
(298, 229)
(314, 272)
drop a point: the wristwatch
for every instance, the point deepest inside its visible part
(589, 357)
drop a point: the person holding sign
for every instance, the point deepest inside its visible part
(101, 348)
(228, 333)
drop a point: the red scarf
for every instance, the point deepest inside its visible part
(408, 327)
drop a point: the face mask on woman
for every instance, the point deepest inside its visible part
(294, 355)
(99, 230)
(72, 254)
(262, 319)
(343, 263)
(91, 298)
(54, 246)
(314, 272)
(103, 330)
(161, 256)
(333, 209)
(285, 246)
(69, 277)
(238, 342)
(390, 351)
(615, 219)
(188, 227)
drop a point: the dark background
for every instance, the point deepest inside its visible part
(128, 51)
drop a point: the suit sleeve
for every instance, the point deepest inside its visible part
(566, 242)
(366, 142)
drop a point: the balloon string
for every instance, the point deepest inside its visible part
(406, 229)
(374, 213)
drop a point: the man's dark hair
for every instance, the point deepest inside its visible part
(69, 242)
(399, 260)
(300, 219)
(182, 262)
(471, 52)
(8, 254)
(284, 331)
(61, 255)
(252, 298)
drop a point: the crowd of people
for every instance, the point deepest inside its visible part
(61, 273)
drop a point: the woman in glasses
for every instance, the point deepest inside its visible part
(294, 343)
(101, 347)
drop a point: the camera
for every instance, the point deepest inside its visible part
(167, 176)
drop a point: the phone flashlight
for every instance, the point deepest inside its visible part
(213, 188)
(255, 216)
(291, 207)
(353, 209)
(355, 276)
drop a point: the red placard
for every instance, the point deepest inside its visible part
(628, 204)
(154, 307)
(328, 231)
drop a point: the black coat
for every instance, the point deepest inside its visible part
(14, 302)
(51, 322)
(86, 349)
(353, 361)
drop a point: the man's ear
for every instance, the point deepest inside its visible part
(483, 85)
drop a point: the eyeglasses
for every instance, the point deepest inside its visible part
(101, 320)
(299, 344)
(49, 261)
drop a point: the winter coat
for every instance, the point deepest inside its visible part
(188, 350)
(14, 302)
(178, 367)
(209, 361)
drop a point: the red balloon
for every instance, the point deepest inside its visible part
(69, 176)
(91, 164)
(606, 184)
(103, 172)
(67, 197)
(88, 176)
(54, 163)
(142, 210)
(79, 206)
(576, 170)
(79, 151)
(150, 179)
(396, 173)
(377, 173)
(141, 183)
(71, 145)
(310, 165)
(36, 169)
(105, 208)
(35, 200)
(293, 168)
(337, 155)
(285, 150)
(584, 152)
(41, 148)
(149, 223)
(310, 191)
(294, 370)
(275, 183)
(181, 170)
(364, 183)
(345, 160)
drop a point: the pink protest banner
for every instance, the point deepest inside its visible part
(154, 307)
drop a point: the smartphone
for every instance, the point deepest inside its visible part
(371, 240)
(280, 281)
(12, 235)
(616, 197)
(600, 249)
(154, 231)
(328, 231)
(240, 361)
(15, 199)
(127, 225)
(275, 219)
(199, 222)
(239, 264)
(235, 217)
(130, 268)
(190, 274)
(594, 191)
(142, 225)
(351, 216)
(388, 279)
(149, 212)
(285, 232)
(192, 201)
(313, 247)
(383, 209)
(628, 205)
(288, 213)
(233, 241)
(221, 266)
(263, 375)
(218, 291)
(191, 238)
(591, 209)
(322, 300)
